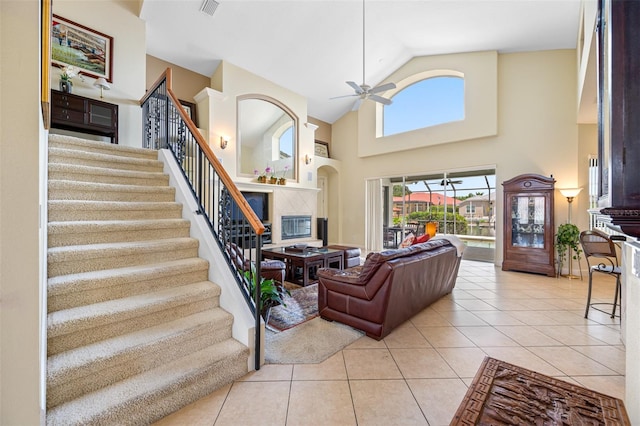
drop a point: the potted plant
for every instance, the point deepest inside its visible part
(567, 238)
(283, 180)
(271, 293)
(261, 178)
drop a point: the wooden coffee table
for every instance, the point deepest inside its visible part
(306, 259)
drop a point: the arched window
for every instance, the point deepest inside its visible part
(425, 103)
(285, 143)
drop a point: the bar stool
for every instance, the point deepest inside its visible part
(600, 250)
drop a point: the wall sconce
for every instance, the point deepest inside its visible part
(307, 159)
(223, 142)
(102, 84)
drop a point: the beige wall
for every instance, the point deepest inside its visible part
(537, 133)
(479, 70)
(323, 133)
(232, 81)
(119, 20)
(21, 193)
(185, 84)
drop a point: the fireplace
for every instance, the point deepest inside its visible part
(296, 227)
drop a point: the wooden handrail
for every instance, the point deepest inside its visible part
(235, 193)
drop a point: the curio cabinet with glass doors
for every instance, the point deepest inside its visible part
(528, 224)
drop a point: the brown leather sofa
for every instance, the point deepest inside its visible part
(390, 287)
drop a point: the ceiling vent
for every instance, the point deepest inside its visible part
(209, 7)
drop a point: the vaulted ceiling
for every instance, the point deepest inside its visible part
(313, 47)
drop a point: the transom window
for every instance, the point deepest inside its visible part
(426, 103)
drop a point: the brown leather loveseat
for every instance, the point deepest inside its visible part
(391, 286)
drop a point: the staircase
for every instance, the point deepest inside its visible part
(134, 327)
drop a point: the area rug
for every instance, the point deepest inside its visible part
(505, 394)
(309, 343)
(301, 306)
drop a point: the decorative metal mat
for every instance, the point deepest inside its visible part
(505, 394)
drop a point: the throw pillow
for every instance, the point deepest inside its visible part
(408, 240)
(421, 239)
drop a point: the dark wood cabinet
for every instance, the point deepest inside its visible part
(618, 55)
(528, 224)
(84, 115)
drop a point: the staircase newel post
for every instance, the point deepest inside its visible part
(257, 298)
(166, 116)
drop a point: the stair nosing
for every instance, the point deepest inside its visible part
(73, 185)
(99, 226)
(124, 245)
(152, 383)
(74, 320)
(104, 157)
(115, 205)
(81, 142)
(94, 170)
(56, 285)
(109, 350)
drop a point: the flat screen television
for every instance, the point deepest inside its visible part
(259, 202)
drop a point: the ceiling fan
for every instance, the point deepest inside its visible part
(364, 91)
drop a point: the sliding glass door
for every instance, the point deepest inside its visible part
(461, 203)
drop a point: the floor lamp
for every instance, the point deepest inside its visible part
(570, 193)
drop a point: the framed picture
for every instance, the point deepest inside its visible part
(322, 149)
(88, 50)
(190, 109)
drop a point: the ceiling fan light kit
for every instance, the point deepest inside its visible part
(364, 91)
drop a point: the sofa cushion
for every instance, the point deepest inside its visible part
(386, 255)
(375, 259)
(421, 239)
(408, 240)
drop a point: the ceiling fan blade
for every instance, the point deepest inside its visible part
(355, 87)
(345, 96)
(356, 105)
(383, 88)
(380, 99)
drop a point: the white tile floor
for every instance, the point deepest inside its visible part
(420, 372)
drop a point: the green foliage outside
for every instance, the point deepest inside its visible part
(437, 215)
(397, 191)
(464, 197)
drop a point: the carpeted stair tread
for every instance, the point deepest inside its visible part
(89, 368)
(92, 257)
(152, 395)
(61, 171)
(67, 291)
(97, 159)
(105, 231)
(72, 190)
(135, 329)
(63, 210)
(71, 328)
(72, 142)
